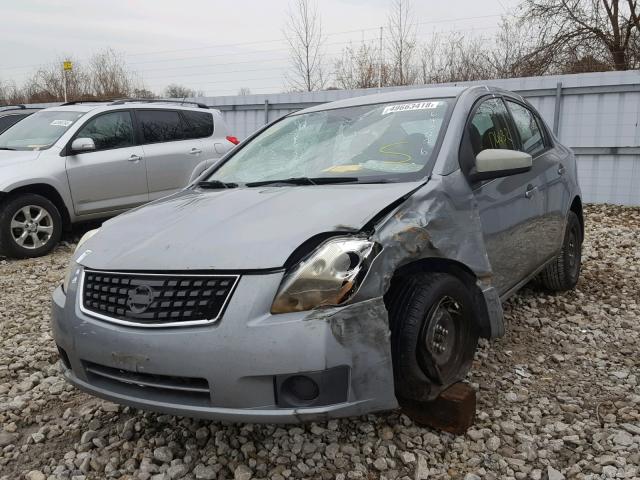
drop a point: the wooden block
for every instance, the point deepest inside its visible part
(453, 411)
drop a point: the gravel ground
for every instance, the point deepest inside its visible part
(558, 396)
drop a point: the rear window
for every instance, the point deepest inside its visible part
(199, 124)
(161, 126)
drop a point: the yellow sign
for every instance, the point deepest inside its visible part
(67, 65)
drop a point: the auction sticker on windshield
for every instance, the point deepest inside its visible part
(61, 123)
(403, 107)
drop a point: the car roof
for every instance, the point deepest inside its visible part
(407, 94)
(124, 104)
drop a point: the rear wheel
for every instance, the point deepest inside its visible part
(563, 272)
(30, 226)
(433, 334)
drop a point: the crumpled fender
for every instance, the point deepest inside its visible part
(440, 220)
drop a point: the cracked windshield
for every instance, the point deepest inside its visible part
(384, 142)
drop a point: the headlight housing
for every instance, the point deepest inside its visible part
(71, 268)
(329, 276)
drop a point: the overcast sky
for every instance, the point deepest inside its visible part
(214, 46)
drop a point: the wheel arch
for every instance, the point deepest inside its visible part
(47, 191)
(458, 270)
(576, 207)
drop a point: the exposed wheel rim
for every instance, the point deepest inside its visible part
(573, 251)
(31, 227)
(440, 346)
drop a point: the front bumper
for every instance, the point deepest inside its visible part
(234, 363)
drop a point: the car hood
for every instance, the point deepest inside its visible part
(234, 229)
(11, 157)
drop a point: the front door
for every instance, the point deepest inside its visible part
(510, 207)
(113, 176)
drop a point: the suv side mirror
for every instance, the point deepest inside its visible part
(83, 145)
(495, 163)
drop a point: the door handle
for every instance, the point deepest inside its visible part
(135, 158)
(195, 151)
(561, 170)
(531, 190)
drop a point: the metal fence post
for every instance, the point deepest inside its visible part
(556, 110)
(266, 112)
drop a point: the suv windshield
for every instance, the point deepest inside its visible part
(383, 142)
(38, 131)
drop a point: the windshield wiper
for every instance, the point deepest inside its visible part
(304, 181)
(215, 184)
(7, 148)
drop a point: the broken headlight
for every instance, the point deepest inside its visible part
(329, 276)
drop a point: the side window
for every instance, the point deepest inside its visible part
(491, 128)
(528, 128)
(111, 130)
(199, 124)
(161, 125)
(9, 120)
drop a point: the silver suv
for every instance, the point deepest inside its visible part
(343, 260)
(84, 161)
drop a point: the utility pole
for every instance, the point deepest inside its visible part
(64, 84)
(380, 61)
(66, 65)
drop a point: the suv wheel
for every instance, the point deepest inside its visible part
(30, 226)
(433, 335)
(563, 272)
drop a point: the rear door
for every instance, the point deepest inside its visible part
(554, 188)
(510, 207)
(172, 150)
(113, 176)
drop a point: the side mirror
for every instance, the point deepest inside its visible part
(495, 163)
(83, 145)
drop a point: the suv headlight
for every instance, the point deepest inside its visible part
(329, 276)
(71, 268)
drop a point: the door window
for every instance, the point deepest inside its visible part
(111, 130)
(161, 125)
(528, 128)
(491, 128)
(199, 124)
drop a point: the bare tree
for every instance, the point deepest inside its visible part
(510, 54)
(575, 31)
(360, 68)
(304, 35)
(47, 83)
(402, 42)
(103, 76)
(108, 76)
(454, 58)
(142, 92)
(244, 91)
(180, 91)
(10, 94)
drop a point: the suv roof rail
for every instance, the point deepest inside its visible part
(17, 106)
(75, 102)
(157, 100)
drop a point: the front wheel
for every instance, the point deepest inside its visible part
(564, 270)
(30, 226)
(433, 334)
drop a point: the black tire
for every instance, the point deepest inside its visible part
(426, 359)
(563, 272)
(46, 232)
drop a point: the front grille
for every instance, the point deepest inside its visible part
(160, 388)
(156, 299)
